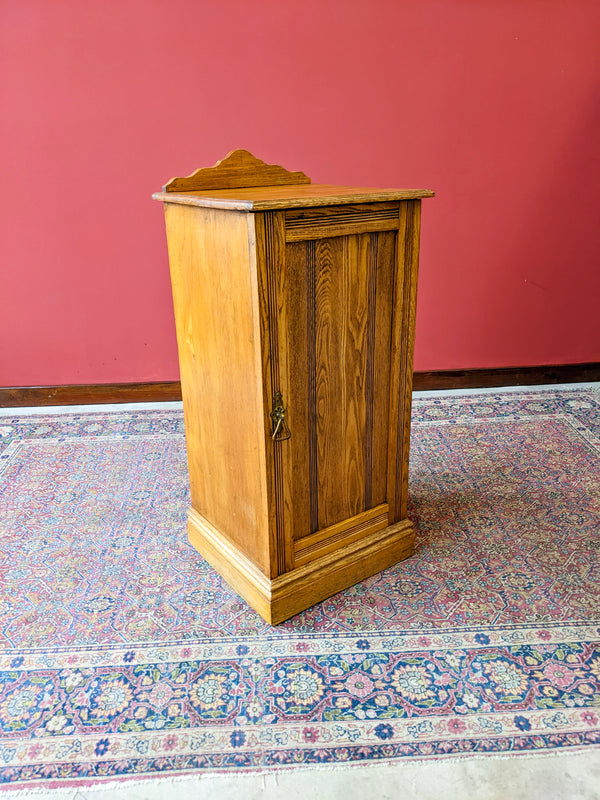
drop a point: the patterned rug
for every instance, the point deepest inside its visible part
(123, 653)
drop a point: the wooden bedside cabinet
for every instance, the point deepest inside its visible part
(295, 308)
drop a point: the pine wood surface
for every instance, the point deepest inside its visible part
(328, 539)
(271, 198)
(329, 221)
(403, 337)
(238, 169)
(215, 297)
(269, 245)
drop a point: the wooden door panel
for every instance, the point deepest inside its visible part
(337, 338)
(340, 363)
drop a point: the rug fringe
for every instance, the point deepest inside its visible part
(69, 790)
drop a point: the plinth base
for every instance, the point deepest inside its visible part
(281, 598)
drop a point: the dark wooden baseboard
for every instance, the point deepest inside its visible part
(506, 376)
(15, 396)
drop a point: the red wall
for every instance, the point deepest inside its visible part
(492, 104)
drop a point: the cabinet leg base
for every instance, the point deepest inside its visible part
(280, 598)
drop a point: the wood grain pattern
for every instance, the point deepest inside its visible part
(341, 324)
(257, 246)
(329, 412)
(385, 260)
(335, 214)
(329, 539)
(340, 221)
(273, 227)
(238, 169)
(270, 198)
(220, 363)
(338, 398)
(410, 255)
(354, 329)
(294, 347)
(311, 367)
(370, 366)
(405, 302)
(270, 248)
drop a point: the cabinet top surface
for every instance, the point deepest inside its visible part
(266, 198)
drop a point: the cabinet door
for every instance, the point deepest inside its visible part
(336, 296)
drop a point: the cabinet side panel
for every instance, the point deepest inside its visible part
(215, 301)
